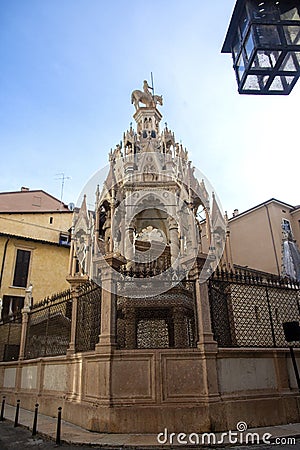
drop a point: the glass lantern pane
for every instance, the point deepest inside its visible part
(236, 48)
(291, 62)
(240, 67)
(243, 22)
(255, 82)
(280, 83)
(265, 59)
(267, 35)
(292, 34)
(249, 45)
(288, 10)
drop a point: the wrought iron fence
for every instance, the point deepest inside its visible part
(49, 326)
(10, 337)
(88, 317)
(248, 308)
(164, 320)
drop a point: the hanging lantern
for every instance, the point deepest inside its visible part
(264, 40)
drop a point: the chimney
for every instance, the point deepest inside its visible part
(24, 189)
(235, 213)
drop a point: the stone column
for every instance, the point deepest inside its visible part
(205, 334)
(108, 338)
(107, 231)
(206, 343)
(71, 255)
(128, 244)
(174, 243)
(71, 349)
(25, 319)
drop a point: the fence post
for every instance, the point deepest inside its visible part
(72, 344)
(2, 409)
(108, 329)
(204, 325)
(25, 319)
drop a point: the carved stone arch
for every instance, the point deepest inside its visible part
(150, 210)
(154, 199)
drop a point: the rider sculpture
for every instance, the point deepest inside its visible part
(145, 97)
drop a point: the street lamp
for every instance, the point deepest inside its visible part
(264, 40)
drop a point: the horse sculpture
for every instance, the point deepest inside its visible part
(147, 99)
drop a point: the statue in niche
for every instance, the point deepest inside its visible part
(81, 247)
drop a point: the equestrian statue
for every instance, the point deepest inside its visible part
(145, 97)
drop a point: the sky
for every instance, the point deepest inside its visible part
(67, 70)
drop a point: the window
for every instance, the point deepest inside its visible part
(12, 305)
(21, 268)
(64, 239)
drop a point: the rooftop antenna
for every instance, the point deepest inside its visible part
(62, 177)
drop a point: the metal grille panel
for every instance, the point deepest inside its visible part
(248, 310)
(160, 321)
(152, 333)
(49, 327)
(88, 318)
(10, 337)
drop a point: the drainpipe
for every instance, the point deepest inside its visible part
(3, 261)
(273, 240)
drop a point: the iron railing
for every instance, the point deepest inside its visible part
(49, 326)
(249, 308)
(163, 320)
(88, 317)
(10, 337)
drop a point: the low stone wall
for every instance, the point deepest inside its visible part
(258, 386)
(149, 390)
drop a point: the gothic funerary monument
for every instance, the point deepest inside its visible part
(155, 332)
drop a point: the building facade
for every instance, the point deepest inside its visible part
(267, 237)
(34, 247)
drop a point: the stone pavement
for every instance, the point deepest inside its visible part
(75, 435)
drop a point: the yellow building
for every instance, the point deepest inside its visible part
(267, 237)
(34, 246)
